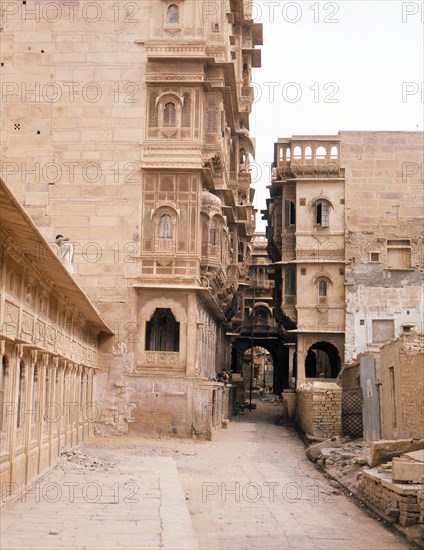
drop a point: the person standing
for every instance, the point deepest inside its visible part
(65, 252)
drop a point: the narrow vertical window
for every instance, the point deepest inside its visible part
(186, 111)
(322, 289)
(173, 15)
(322, 214)
(290, 281)
(170, 114)
(165, 227)
(153, 110)
(213, 234)
(211, 117)
(290, 213)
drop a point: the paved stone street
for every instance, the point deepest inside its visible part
(250, 488)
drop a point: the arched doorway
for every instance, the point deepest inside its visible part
(322, 361)
(262, 370)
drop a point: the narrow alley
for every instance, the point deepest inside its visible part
(252, 487)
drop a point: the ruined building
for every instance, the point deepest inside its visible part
(127, 130)
(345, 236)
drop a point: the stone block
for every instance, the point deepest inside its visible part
(416, 456)
(385, 450)
(314, 451)
(405, 470)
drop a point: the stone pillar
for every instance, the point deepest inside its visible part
(190, 344)
(13, 418)
(53, 408)
(40, 428)
(301, 355)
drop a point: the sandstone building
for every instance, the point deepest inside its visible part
(126, 128)
(49, 342)
(345, 233)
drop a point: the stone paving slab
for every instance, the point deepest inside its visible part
(126, 506)
(208, 495)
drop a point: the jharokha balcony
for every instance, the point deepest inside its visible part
(307, 156)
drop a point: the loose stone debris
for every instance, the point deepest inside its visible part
(392, 487)
(76, 459)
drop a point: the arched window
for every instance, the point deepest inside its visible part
(162, 331)
(169, 114)
(334, 152)
(173, 15)
(321, 153)
(165, 227)
(211, 117)
(322, 289)
(288, 153)
(297, 153)
(322, 214)
(308, 153)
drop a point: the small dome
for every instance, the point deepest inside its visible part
(211, 201)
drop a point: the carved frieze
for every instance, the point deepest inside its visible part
(161, 359)
(10, 320)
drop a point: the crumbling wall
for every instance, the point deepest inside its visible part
(319, 409)
(383, 175)
(349, 376)
(401, 375)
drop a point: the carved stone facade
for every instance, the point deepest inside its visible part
(345, 228)
(49, 353)
(143, 161)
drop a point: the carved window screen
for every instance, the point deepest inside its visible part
(211, 117)
(153, 110)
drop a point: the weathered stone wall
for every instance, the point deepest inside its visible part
(89, 153)
(401, 375)
(383, 216)
(319, 409)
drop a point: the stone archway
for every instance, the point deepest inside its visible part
(277, 350)
(322, 361)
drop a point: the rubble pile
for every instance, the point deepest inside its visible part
(76, 459)
(386, 475)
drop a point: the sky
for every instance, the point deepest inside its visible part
(333, 66)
